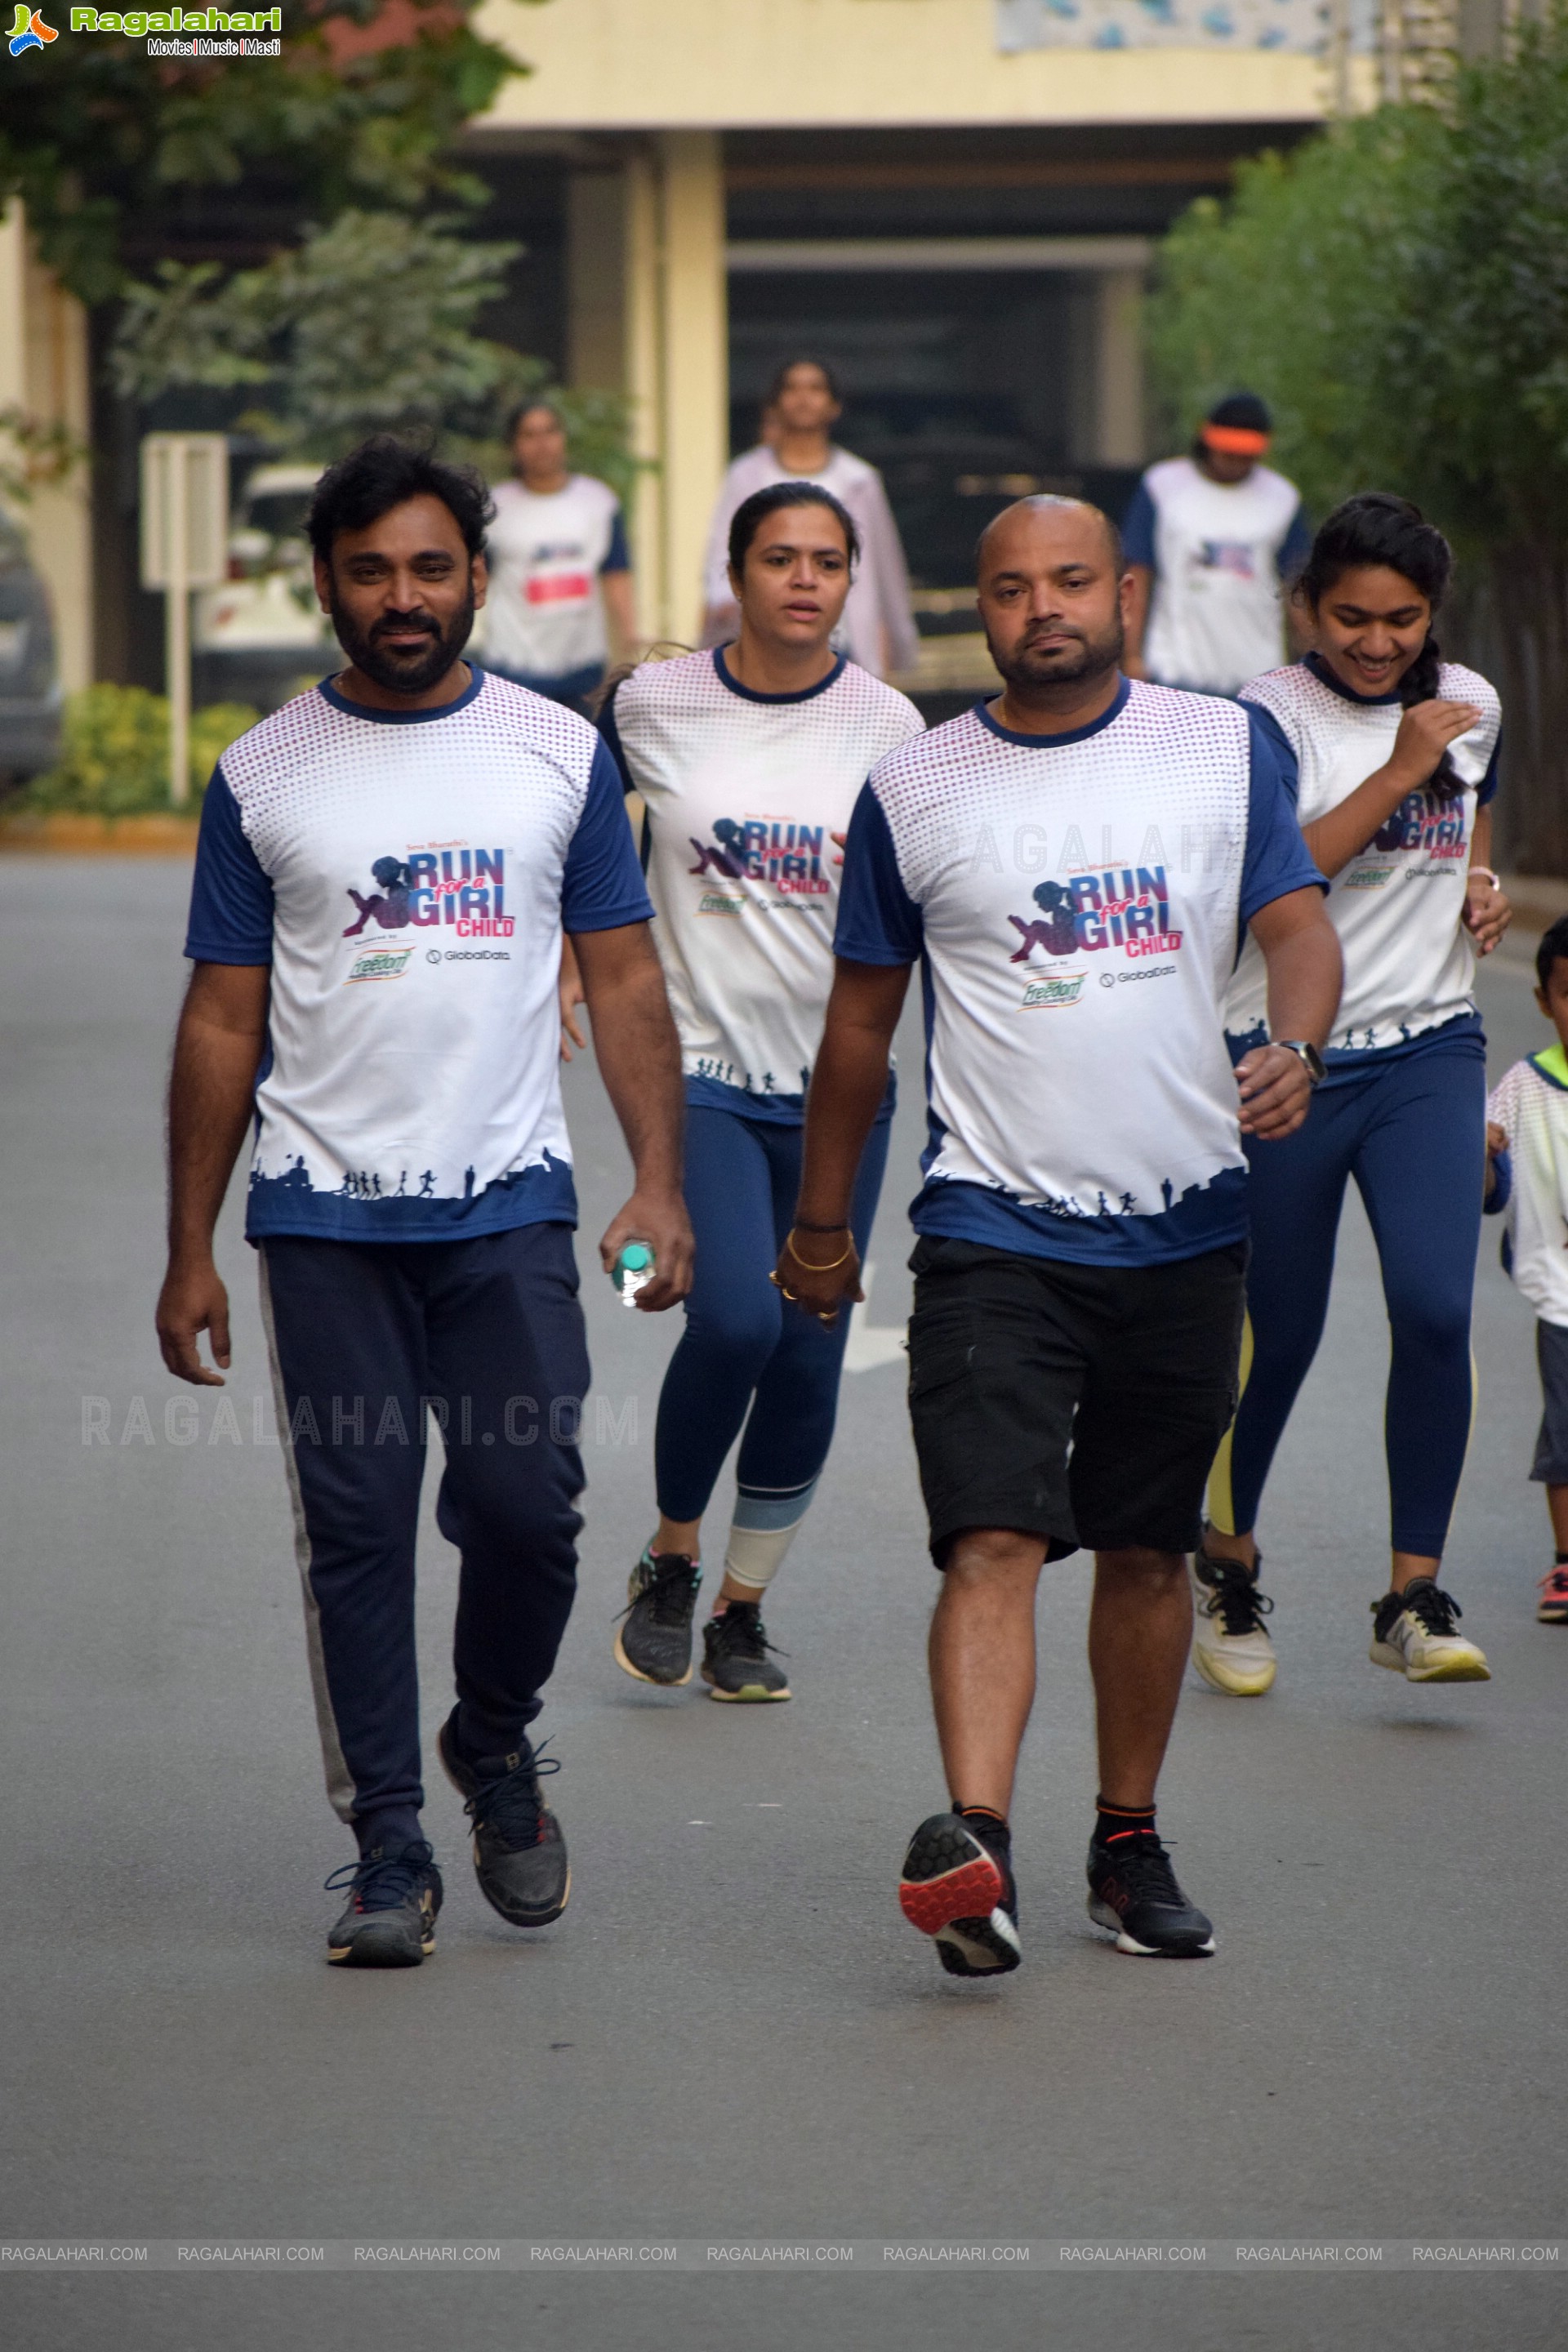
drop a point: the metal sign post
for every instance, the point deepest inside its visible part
(184, 545)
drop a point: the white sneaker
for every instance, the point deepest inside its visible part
(1414, 1634)
(1231, 1648)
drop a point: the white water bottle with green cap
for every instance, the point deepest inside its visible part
(633, 1267)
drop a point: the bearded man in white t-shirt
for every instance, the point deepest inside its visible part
(1211, 540)
(878, 632)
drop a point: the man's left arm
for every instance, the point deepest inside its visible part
(1283, 903)
(639, 1061)
(1301, 950)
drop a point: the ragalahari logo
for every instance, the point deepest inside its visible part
(29, 31)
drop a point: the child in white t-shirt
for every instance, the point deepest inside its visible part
(1527, 1181)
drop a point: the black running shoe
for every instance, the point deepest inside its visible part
(390, 1921)
(1132, 1890)
(653, 1641)
(957, 1887)
(520, 1855)
(737, 1658)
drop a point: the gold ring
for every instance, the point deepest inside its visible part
(790, 1295)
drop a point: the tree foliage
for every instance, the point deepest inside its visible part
(370, 325)
(104, 142)
(1397, 289)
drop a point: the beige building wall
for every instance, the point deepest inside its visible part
(803, 64)
(44, 372)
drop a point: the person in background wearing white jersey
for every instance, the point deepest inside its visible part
(1072, 867)
(562, 599)
(1397, 752)
(384, 871)
(877, 629)
(1526, 1177)
(1212, 539)
(748, 760)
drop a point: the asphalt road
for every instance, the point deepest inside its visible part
(731, 2035)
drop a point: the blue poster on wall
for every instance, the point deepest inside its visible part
(1297, 24)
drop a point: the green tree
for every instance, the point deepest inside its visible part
(1399, 290)
(104, 144)
(369, 325)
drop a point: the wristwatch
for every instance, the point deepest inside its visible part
(1307, 1054)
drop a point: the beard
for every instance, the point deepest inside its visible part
(1084, 656)
(412, 669)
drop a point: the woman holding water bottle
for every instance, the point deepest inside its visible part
(749, 758)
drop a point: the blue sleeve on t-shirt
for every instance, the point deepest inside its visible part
(610, 735)
(1295, 547)
(602, 885)
(1498, 1199)
(231, 897)
(1486, 789)
(878, 923)
(1138, 527)
(618, 557)
(1278, 860)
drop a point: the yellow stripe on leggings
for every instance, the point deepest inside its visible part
(1222, 1509)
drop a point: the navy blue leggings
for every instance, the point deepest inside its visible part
(1413, 1135)
(743, 1346)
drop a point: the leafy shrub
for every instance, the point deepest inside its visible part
(115, 757)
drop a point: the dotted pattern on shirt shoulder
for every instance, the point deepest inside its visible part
(1310, 712)
(688, 688)
(1190, 753)
(310, 754)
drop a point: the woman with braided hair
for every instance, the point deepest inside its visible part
(1396, 752)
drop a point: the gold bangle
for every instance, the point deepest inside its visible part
(807, 1263)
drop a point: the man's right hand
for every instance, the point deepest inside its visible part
(1426, 731)
(193, 1300)
(822, 1290)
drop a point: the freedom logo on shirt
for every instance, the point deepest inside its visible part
(1130, 910)
(1059, 989)
(381, 963)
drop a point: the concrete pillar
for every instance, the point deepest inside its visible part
(695, 354)
(1118, 369)
(595, 296)
(44, 372)
(641, 343)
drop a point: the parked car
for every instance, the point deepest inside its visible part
(259, 633)
(30, 698)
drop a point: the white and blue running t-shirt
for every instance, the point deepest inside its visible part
(1075, 902)
(1409, 964)
(745, 793)
(407, 874)
(547, 553)
(1220, 552)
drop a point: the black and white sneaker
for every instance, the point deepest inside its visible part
(1416, 1633)
(390, 1918)
(653, 1641)
(738, 1657)
(1133, 1891)
(520, 1855)
(957, 1887)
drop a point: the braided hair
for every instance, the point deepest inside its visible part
(1376, 527)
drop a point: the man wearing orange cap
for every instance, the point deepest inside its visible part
(1211, 539)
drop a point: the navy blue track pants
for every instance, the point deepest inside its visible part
(370, 1343)
(1412, 1133)
(746, 1355)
